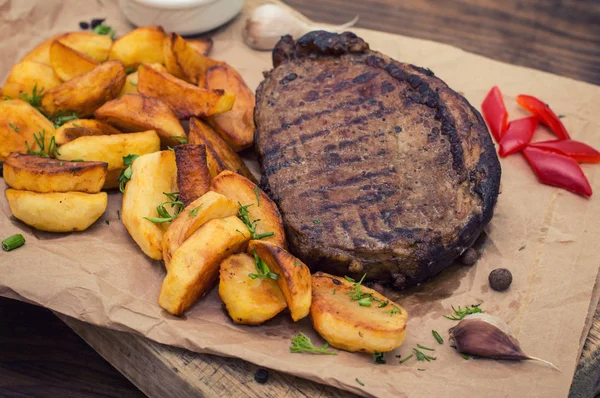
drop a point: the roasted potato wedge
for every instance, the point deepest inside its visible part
(248, 301)
(27, 75)
(74, 129)
(184, 61)
(193, 177)
(152, 175)
(110, 149)
(41, 174)
(349, 326)
(243, 191)
(132, 113)
(68, 63)
(143, 44)
(86, 93)
(90, 44)
(41, 52)
(219, 155)
(236, 126)
(130, 86)
(19, 122)
(294, 276)
(57, 211)
(195, 265)
(209, 206)
(203, 45)
(185, 99)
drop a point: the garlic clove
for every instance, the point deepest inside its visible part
(268, 22)
(487, 336)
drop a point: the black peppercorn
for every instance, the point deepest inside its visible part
(97, 21)
(469, 257)
(399, 280)
(84, 25)
(500, 279)
(261, 376)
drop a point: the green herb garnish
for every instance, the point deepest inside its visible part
(423, 357)
(13, 242)
(180, 138)
(12, 126)
(379, 358)
(194, 212)
(464, 356)
(297, 263)
(394, 310)
(406, 359)
(35, 98)
(425, 348)
(105, 30)
(40, 140)
(437, 337)
(256, 193)
(360, 382)
(163, 214)
(302, 343)
(118, 215)
(317, 221)
(125, 174)
(130, 69)
(460, 313)
(349, 279)
(244, 215)
(334, 290)
(262, 269)
(60, 118)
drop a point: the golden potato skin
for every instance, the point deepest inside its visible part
(203, 45)
(294, 276)
(347, 325)
(41, 52)
(40, 174)
(74, 129)
(248, 301)
(193, 177)
(90, 44)
(86, 93)
(195, 265)
(110, 149)
(184, 98)
(236, 126)
(19, 121)
(57, 211)
(68, 63)
(132, 113)
(26, 75)
(184, 61)
(144, 44)
(241, 190)
(209, 206)
(219, 155)
(152, 175)
(130, 86)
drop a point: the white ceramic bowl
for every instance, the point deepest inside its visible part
(186, 17)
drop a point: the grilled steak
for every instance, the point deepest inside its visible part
(376, 165)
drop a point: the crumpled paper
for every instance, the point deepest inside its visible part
(547, 237)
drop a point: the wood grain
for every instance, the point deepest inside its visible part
(558, 36)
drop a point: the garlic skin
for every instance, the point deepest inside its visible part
(487, 336)
(268, 22)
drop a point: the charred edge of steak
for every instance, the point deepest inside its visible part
(484, 180)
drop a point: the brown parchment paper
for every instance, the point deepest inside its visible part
(547, 237)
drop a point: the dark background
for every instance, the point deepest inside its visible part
(40, 356)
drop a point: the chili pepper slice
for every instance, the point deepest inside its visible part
(517, 135)
(576, 150)
(494, 113)
(545, 114)
(558, 170)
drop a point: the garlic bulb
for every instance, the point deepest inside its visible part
(487, 336)
(268, 22)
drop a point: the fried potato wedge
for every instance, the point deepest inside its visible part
(219, 155)
(195, 265)
(19, 122)
(243, 191)
(90, 44)
(41, 174)
(133, 113)
(68, 63)
(27, 75)
(152, 175)
(74, 129)
(86, 93)
(57, 211)
(209, 206)
(144, 44)
(41, 52)
(294, 276)
(248, 301)
(203, 45)
(236, 126)
(130, 86)
(184, 61)
(193, 177)
(184, 98)
(349, 326)
(110, 149)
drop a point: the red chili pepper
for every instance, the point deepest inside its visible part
(517, 135)
(576, 150)
(559, 170)
(545, 114)
(495, 113)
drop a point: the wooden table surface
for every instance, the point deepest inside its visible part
(41, 357)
